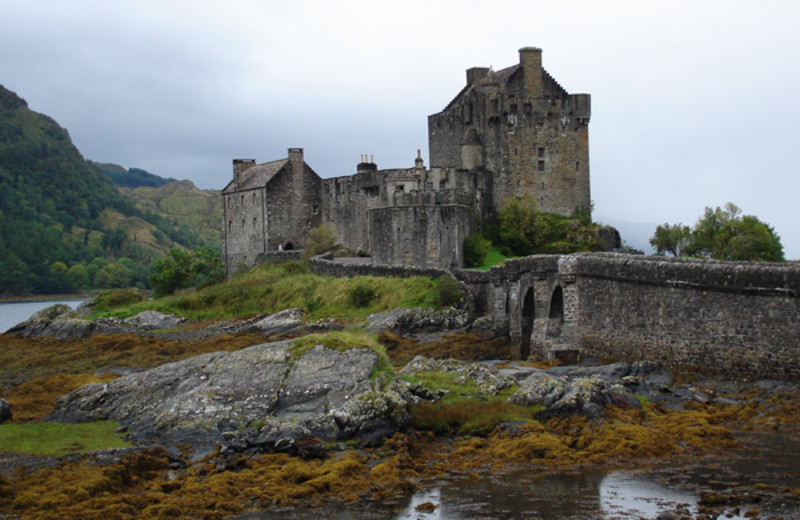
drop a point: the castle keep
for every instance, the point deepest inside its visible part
(508, 133)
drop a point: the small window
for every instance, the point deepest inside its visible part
(540, 165)
(241, 200)
(429, 186)
(230, 225)
(242, 224)
(577, 166)
(254, 198)
(254, 222)
(315, 210)
(540, 153)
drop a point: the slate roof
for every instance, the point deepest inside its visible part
(257, 176)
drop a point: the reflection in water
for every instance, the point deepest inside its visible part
(626, 495)
(769, 460)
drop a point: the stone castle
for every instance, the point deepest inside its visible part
(507, 133)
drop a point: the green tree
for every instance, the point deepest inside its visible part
(171, 272)
(207, 267)
(476, 247)
(726, 234)
(522, 227)
(79, 276)
(181, 269)
(321, 239)
(671, 239)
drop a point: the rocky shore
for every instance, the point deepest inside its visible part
(230, 413)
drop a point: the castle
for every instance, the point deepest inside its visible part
(507, 133)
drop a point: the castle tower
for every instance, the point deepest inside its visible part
(532, 135)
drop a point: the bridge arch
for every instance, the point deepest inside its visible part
(527, 319)
(555, 316)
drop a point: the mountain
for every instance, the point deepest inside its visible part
(133, 178)
(64, 225)
(184, 206)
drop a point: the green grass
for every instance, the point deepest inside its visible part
(267, 289)
(463, 410)
(492, 258)
(55, 439)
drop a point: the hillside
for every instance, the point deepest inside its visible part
(183, 206)
(64, 226)
(132, 178)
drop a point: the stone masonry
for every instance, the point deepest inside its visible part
(507, 133)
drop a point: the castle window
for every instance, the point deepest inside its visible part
(429, 186)
(540, 153)
(254, 222)
(242, 224)
(540, 165)
(241, 200)
(315, 210)
(254, 198)
(230, 225)
(577, 166)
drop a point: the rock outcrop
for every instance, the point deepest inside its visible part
(265, 397)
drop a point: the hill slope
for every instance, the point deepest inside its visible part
(64, 226)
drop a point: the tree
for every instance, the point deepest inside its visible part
(522, 227)
(722, 234)
(321, 239)
(181, 269)
(671, 238)
(171, 272)
(476, 247)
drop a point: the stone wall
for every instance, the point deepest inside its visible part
(429, 235)
(244, 227)
(735, 318)
(327, 266)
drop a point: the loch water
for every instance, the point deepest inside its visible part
(766, 461)
(12, 313)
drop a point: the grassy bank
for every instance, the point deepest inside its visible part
(271, 288)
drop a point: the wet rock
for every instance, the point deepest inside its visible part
(281, 322)
(258, 398)
(561, 394)
(5, 411)
(152, 320)
(418, 319)
(55, 321)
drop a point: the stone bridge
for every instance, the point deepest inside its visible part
(740, 318)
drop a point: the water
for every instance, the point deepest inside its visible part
(769, 459)
(13, 313)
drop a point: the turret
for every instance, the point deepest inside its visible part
(471, 151)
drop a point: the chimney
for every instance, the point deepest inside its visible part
(239, 167)
(475, 74)
(296, 160)
(531, 60)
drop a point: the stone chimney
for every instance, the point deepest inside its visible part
(367, 164)
(296, 160)
(475, 74)
(531, 60)
(239, 167)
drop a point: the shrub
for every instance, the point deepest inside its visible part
(117, 298)
(476, 247)
(448, 291)
(361, 294)
(321, 239)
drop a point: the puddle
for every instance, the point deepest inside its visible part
(769, 461)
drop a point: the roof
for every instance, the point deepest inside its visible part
(257, 176)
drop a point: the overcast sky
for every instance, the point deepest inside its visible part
(694, 103)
